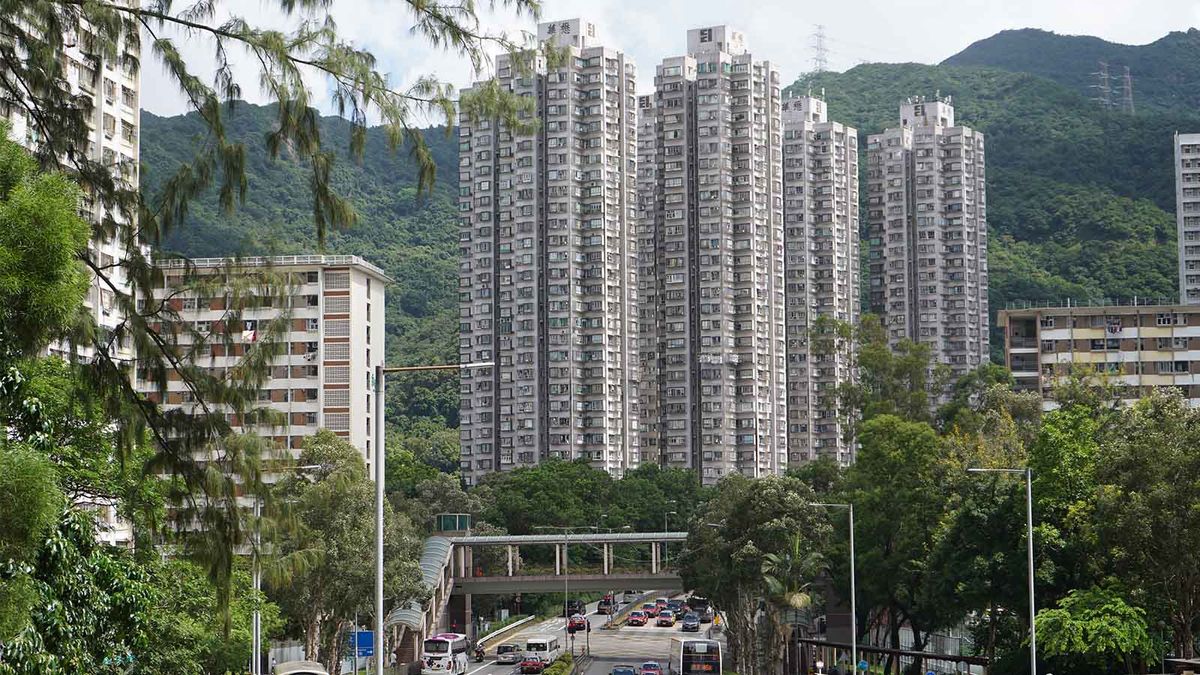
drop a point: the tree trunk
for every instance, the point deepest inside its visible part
(311, 638)
(991, 643)
(1184, 638)
(894, 630)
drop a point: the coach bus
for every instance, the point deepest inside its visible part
(695, 657)
(445, 654)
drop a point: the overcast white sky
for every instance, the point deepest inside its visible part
(924, 31)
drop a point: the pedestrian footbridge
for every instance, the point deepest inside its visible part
(457, 567)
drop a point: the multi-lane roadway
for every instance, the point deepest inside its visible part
(631, 645)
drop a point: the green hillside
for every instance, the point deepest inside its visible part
(1166, 72)
(1080, 201)
(413, 240)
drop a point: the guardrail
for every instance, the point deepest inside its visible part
(580, 664)
(504, 632)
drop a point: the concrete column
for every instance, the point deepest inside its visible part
(557, 559)
(510, 559)
(470, 561)
(604, 554)
(654, 558)
(469, 620)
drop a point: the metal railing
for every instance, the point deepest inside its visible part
(1067, 303)
(271, 261)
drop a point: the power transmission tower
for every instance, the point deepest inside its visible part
(820, 51)
(1103, 86)
(1127, 92)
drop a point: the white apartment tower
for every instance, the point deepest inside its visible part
(329, 343)
(114, 86)
(927, 220)
(820, 216)
(1187, 215)
(711, 261)
(548, 273)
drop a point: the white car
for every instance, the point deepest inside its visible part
(509, 653)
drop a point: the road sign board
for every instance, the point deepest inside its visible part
(362, 641)
(863, 665)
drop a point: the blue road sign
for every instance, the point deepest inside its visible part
(362, 641)
(863, 665)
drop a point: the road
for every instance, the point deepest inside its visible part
(630, 645)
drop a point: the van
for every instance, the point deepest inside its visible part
(545, 646)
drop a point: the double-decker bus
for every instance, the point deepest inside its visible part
(444, 654)
(694, 657)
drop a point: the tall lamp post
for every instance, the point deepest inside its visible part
(566, 530)
(1029, 535)
(666, 551)
(380, 373)
(853, 575)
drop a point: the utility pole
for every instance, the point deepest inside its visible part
(820, 58)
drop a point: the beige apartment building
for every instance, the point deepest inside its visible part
(331, 339)
(548, 271)
(927, 223)
(114, 87)
(1187, 215)
(711, 252)
(821, 237)
(1135, 347)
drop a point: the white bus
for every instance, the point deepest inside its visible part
(545, 646)
(444, 654)
(694, 657)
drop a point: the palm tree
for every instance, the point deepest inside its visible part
(788, 578)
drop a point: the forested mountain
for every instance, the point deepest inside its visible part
(1080, 200)
(413, 239)
(1166, 72)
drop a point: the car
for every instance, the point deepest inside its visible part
(677, 606)
(629, 596)
(651, 668)
(532, 663)
(577, 622)
(509, 653)
(637, 618)
(666, 618)
(606, 605)
(622, 669)
(691, 623)
(650, 609)
(662, 602)
(574, 606)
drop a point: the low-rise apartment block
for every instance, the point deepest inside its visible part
(325, 317)
(1137, 347)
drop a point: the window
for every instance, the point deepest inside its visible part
(337, 375)
(337, 280)
(337, 328)
(339, 304)
(312, 324)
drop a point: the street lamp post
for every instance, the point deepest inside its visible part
(566, 580)
(666, 551)
(381, 372)
(853, 593)
(1029, 535)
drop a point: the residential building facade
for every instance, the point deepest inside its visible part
(323, 314)
(821, 239)
(927, 224)
(711, 252)
(1136, 348)
(548, 272)
(114, 126)
(1187, 215)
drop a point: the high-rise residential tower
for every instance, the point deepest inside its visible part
(1187, 215)
(711, 259)
(820, 217)
(927, 218)
(548, 273)
(113, 85)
